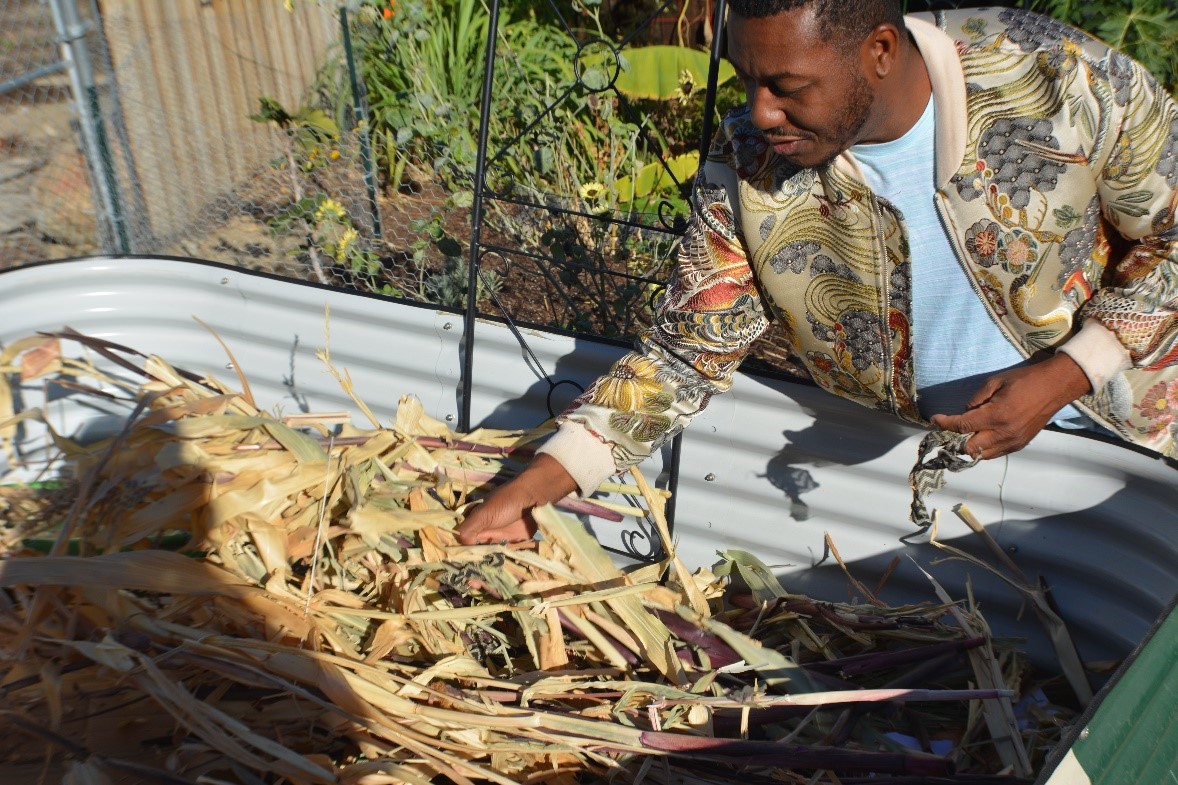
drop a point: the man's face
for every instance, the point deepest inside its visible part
(806, 93)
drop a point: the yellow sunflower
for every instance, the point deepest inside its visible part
(330, 209)
(346, 241)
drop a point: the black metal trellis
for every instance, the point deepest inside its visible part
(489, 189)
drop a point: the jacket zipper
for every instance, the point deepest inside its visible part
(887, 293)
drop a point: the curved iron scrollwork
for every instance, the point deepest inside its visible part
(641, 543)
(671, 220)
(594, 58)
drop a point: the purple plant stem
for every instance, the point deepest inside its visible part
(865, 663)
(627, 655)
(922, 673)
(434, 443)
(429, 442)
(768, 753)
(719, 653)
(845, 697)
(728, 722)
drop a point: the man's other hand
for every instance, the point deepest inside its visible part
(1012, 406)
(506, 514)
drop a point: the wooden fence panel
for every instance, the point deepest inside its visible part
(189, 74)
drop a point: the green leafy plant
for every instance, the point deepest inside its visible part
(448, 283)
(422, 70)
(642, 163)
(551, 139)
(423, 67)
(667, 73)
(1146, 30)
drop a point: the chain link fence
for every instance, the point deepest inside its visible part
(48, 208)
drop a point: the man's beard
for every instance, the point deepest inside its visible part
(843, 132)
(851, 120)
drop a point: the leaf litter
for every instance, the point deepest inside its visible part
(221, 594)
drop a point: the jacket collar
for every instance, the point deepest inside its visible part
(948, 82)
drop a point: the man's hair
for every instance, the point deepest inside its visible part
(847, 21)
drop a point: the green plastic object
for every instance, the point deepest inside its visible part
(1131, 733)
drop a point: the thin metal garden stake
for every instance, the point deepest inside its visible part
(360, 114)
(705, 137)
(71, 33)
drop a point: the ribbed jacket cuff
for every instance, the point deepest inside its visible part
(1097, 351)
(586, 458)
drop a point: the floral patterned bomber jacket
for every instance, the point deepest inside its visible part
(1057, 183)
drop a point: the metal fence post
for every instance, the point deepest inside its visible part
(71, 33)
(476, 221)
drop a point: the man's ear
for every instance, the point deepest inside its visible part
(881, 50)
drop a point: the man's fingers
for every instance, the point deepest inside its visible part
(990, 442)
(505, 515)
(490, 522)
(979, 447)
(1011, 407)
(982, 444)
(517, 531)
(969, 422)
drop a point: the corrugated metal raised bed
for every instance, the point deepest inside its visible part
(774, 468)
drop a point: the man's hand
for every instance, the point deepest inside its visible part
(506, 514)
(1013, 406)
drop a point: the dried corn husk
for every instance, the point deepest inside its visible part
(220, 592)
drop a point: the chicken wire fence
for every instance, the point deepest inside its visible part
(44, 187)
(338, 143)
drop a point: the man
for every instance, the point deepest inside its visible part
(968, 223)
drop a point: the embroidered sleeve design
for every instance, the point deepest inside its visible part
(708, 317)
(1139, 197)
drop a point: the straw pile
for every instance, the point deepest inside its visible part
(218, 594)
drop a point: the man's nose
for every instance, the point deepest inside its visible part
(764, 110)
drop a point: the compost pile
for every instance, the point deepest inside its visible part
(219, 594)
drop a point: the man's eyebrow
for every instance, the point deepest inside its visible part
(780, 75)
(775, 77)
